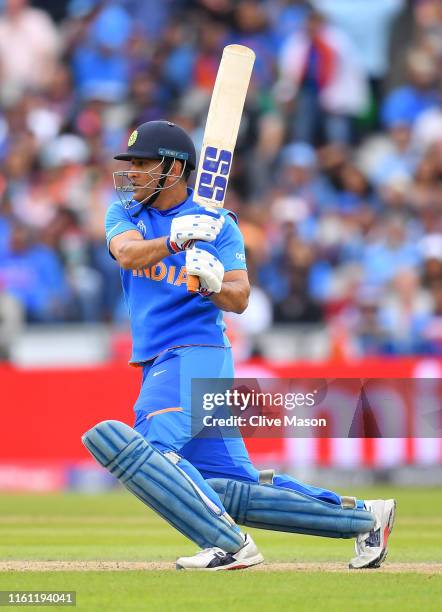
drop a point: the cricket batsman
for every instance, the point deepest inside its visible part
(205, 488)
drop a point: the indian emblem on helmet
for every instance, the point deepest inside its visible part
(132, 138)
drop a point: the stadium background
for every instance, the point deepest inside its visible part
(337, 184)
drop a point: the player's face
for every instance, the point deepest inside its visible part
(144, 175)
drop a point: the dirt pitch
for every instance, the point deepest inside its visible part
(88, 566)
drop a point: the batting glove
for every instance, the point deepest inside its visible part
(202, 261)
(196, 223)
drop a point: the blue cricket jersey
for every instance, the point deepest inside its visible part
(162, 312)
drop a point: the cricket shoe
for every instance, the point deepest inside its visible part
(214, 559)
(371, 547)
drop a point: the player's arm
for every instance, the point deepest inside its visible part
(126, 243)
(133, 252)
(235, 292)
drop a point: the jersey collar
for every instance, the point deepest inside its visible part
(135, 212)
(172, 211)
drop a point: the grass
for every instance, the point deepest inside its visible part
(116, 526)
(160, 591)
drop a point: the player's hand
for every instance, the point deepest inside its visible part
(196, 223)
(202, 261)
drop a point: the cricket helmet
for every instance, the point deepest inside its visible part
(158, 140)
(161, 140)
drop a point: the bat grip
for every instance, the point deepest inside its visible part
(193, 283)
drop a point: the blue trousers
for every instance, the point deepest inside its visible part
(163, 418)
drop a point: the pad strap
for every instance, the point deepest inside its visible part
(266, 477)
(348, 502)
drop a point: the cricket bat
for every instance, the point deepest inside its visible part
(221, 131)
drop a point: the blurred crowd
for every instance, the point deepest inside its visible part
(337, 178)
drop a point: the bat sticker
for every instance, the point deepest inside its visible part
(213, 178)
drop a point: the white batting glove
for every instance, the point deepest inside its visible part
(202, 262)
(187, 228)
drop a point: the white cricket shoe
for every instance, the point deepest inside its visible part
(371, 547)
(214, 559)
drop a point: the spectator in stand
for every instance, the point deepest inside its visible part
(405, 103)
(179, 67)
(262, 164)
(399, 157)
(297, 305)
(426, 191)
(97, 42)
(431, 249)
(5, 234)
(60, 96)
(354, 190)
(59, 182)
(252, 28)
(17, 168)
(301, 178)
(404, 312)
(362, 319)
(159, 13)
(392, 250)
(428, 22)
(432, 331)
(33, 275)
(258, 316)
(11, 322)
(321, 75)
(368, 23)
(287, 16)
(427, 132)
(212, 38)
(29, 49)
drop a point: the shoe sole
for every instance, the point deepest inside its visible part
(377, 562)
(233, 566)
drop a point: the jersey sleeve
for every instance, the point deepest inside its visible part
(117, 221)
(230, 246)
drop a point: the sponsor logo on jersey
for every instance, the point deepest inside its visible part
(161, 272)
(142, 227)
(240, 256)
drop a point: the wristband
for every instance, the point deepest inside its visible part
(172, 247)
(205, 292)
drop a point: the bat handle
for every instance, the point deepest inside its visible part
(193, 283)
